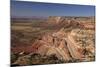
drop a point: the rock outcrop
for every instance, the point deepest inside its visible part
(66, 38)
(60, 44)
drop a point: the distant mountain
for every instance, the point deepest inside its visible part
(28, 18)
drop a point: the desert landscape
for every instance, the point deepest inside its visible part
(52, 40)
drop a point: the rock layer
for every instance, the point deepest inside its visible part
(59, 44)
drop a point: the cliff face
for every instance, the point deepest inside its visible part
(81, 22)
(54, 20)
(57, 20)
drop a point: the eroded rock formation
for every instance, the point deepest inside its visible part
(67, 38)
(60, 44)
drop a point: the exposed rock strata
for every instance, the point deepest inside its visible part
(60, 44)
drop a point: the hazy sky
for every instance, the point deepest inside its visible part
(19, 8)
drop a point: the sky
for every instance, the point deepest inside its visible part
(28, 9)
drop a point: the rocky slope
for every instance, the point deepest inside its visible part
(61, 44)
(70, 40)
